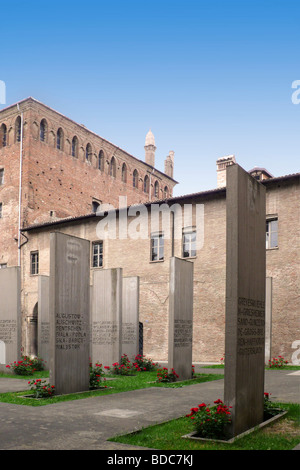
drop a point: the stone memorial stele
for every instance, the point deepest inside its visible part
(43, 319)
(106, 316)
(10, 316)
(130, 317)
(69, 313)
(180, 317)
(245, 299)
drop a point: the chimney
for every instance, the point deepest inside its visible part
(150, 149)
(222, 163)
(169, 164)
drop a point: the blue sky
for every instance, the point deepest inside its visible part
(210, 78)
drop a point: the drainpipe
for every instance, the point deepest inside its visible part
(20, 190)
(150, 183)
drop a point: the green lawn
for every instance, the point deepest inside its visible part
(117, 385)
(286, 367)
(282, 435)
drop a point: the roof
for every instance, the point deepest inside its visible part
(30, 98)
(212, 192)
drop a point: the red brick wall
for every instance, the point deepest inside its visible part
(54, 180)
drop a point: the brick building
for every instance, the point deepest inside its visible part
(53, 176)
(51, 168)
(148, 257)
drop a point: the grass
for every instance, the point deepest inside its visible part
(43, 374)
(286, 367)
(117, 385)
(281, 435)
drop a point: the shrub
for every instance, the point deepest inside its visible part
(211, 423)
(142, 363)
(23, 367)
(277, 363)
(96, 375)
(120, 369)
(163, 375)
(27, 365)
(41, 389)
(37, 363)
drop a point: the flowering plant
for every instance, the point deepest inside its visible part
(27, 365)
(37, 363)
(23, 367)
(211, 422)
(163, 375)
(41, 389)
(122, 368)
(276, 363)
(96, 374)
(143, 363)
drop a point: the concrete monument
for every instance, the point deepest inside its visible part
(245, 299)
(10, 316)
(69, 313)
(106, 316)
(130, 317)
(181, 317)
(43, 319)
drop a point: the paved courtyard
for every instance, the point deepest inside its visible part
(87, 424)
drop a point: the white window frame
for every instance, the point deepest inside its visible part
(34, 263)
(160, 247)
(97, 256)
(270, 231)
(187, 241)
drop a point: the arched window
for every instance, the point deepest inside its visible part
(146, 184)
(156, 189)
(18, 129)
(166, 192)
(88, 153)
(43, 130)
(101, 160)
(60, 139)
(135, 179)
(3, 136)
(124, 173)
(112, 167)
(75, 147)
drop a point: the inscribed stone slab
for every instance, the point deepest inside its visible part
(106, 316)
(181, 317)
(130, 317)
(69, 313)
(245, 299)
(43, 319)
(10, 315)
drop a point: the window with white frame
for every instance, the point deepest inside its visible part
(0, 210)
(3, 265)
(157, 247)
(34, 262)
(272, 233)
(97, 254)
(189, 235)
(1, 176)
